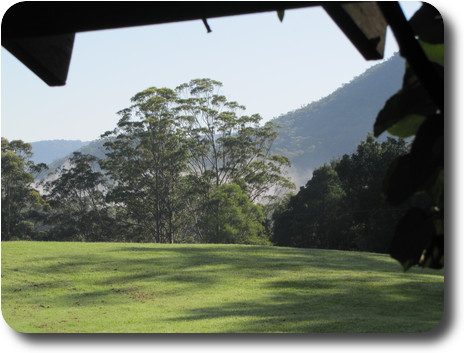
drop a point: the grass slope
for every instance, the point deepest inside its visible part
(114, 287)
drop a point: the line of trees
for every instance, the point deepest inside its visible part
(342, 207)
(182, 165)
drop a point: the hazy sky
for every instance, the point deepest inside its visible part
(268, 66)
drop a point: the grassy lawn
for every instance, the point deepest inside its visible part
(114, 287)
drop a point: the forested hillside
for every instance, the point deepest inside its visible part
(327, 129)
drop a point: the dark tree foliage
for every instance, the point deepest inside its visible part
(307, 219)
(419, 235)
(361, 174)
(341, 207)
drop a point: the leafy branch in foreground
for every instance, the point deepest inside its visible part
(412, 113)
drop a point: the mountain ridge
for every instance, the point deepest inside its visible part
(47, 151)
(334, 125)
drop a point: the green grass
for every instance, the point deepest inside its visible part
(114, 287)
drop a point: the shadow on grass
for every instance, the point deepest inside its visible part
(330, 306)
(313, 304)
(267, 256)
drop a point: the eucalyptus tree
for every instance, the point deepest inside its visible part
(173, 149)
(226, 147)
(146, 157)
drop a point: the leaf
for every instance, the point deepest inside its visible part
(427, 156)
(413, 235)
(434, 52)
(418, 170)
(407, 126)
(438, 190)
(388, 116)
(412, 99)
(281, 14)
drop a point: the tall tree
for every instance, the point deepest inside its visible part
(173, 149)
(226, 147)
(146, 159)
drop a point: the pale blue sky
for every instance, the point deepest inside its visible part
(268, 66)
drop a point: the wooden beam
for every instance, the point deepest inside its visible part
(44, 18)
(364, 25)
(48, 57)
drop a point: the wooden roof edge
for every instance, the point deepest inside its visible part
(39, 33)
(36, 18)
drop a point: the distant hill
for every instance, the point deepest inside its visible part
(49, 150)
(94, 148)
(334, 125)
